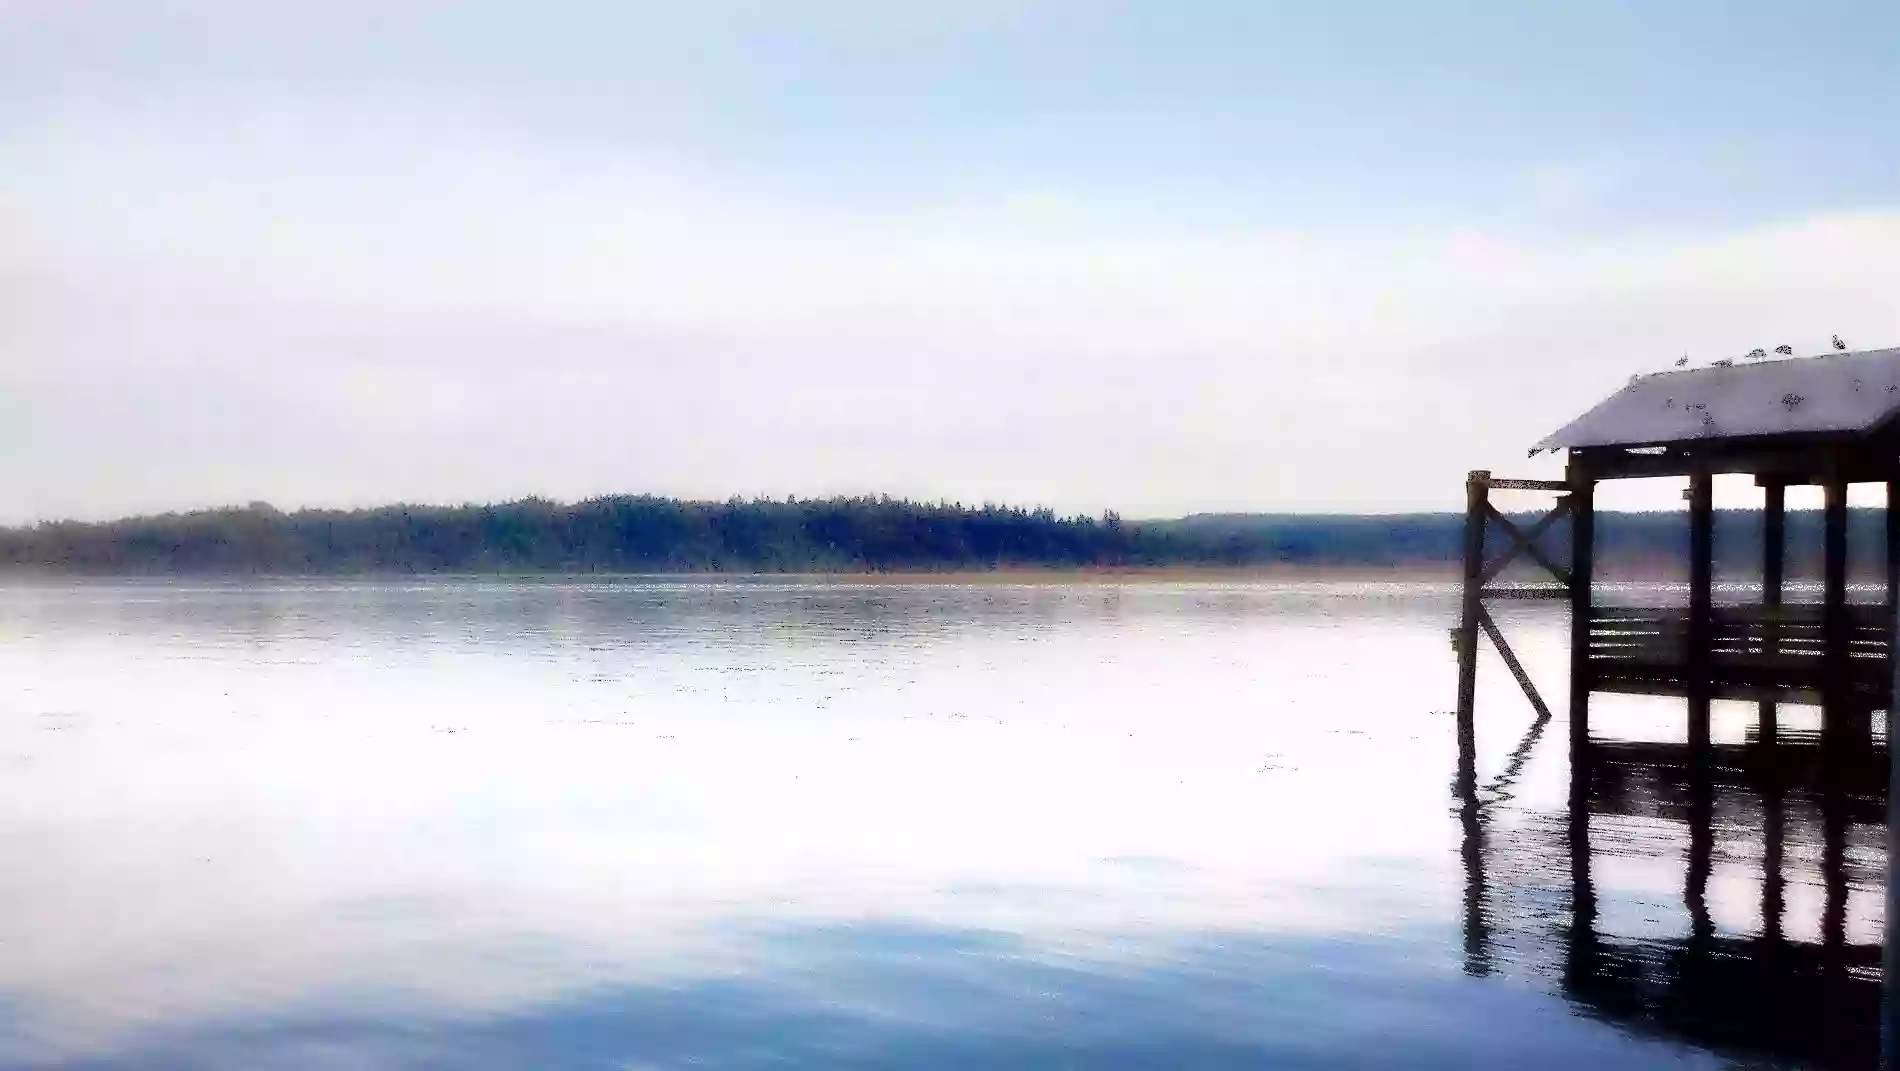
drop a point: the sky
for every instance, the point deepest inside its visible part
(1154, 257)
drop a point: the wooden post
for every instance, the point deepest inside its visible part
(1893, 550)
(1582, 563)
(1890, 959)
(1834, 691)
(1477, 495)
(1893, 588)
(1701, 581)
(1774, 556)
(1774, 539)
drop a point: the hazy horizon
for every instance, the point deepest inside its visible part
(1371, 514)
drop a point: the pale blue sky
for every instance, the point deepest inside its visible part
(1152, 256)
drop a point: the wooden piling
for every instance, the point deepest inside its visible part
(1774, 556)
(1893, 551)
(1582, 570)
(1893, 586)
(1701, 582)
(1890, 958)
(1477, 497)
(1836, 718)
(1890, 953)
(1774, 883)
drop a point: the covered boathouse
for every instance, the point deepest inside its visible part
(1830, 421)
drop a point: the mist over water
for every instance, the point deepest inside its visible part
(767, 823)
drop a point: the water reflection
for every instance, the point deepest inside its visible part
(1776, 811)
(637, 823)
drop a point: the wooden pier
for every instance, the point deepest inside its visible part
(1830, 422)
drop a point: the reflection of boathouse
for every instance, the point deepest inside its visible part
(1796, 988)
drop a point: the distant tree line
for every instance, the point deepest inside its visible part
(646, 534)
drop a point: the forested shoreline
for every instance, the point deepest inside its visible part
(649, 534)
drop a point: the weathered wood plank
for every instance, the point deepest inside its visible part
(1528, 485)
(1526, 592)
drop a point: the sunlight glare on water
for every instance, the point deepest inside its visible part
(632, 823)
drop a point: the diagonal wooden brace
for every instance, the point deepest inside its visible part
(1526, 542)
(1510, 659)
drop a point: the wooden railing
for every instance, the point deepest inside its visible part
(1662, 635)
(1764, 643)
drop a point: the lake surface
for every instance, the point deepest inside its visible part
(768, 824)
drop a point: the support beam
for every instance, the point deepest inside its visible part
(1893, 593)
(1890, 954)
(1893, 545)
(1774, 557)
(1774, 541)
(1477, 499)
(1510, 661)
(1811, 461)
(1834, 715)
(1701, 583)
(1582, 569)
(1890, 960)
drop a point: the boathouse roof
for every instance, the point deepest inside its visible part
(1836, 394)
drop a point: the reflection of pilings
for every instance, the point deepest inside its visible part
(1695, 889)
(1834, 869)
(1500, 788)
(1774, 884)
(1471, 819)
(1477, 928)
(1700, 752)
(1807, 1003)
(1581, 950)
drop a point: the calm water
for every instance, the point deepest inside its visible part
(769, 824)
